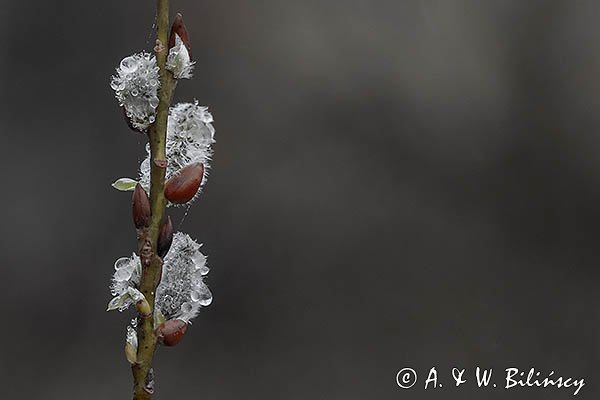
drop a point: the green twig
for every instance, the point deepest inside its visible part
(151, 263)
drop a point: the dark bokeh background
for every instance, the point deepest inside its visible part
(395, 183)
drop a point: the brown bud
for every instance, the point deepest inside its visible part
(170, 332)
(141, 207)
(182, 186)
(178, 28)
(165, 237)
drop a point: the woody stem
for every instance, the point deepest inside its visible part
(147, 239)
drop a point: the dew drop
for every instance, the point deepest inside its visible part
(123, 274)
(205, 297)
(206, 301)
(121, 263)
(154, 102)
(128, 65)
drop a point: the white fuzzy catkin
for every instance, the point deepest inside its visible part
(179, 62)
(127, 275)
(190, 135)
(181, 292)
(136, 88)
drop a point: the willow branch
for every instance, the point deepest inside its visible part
(147, 240)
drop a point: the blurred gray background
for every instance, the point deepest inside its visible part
(395, 184)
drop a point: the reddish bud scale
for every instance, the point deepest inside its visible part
(141, 207)
(160, 163)
(170, 332)
(178, 28)
(165, 237)
(183, 186)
